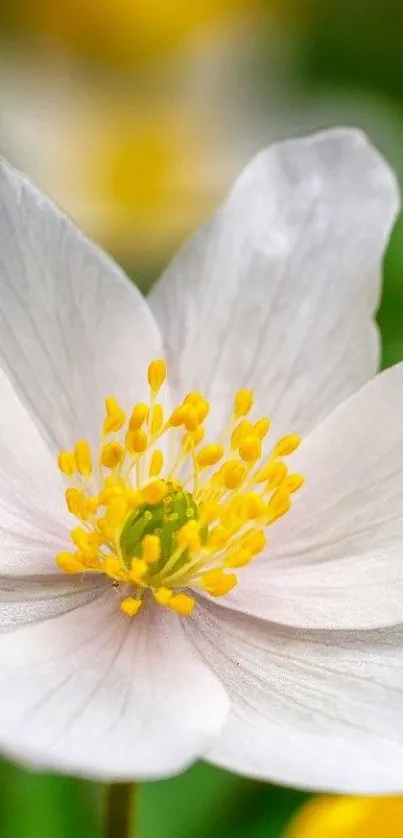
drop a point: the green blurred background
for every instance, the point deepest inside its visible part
(136, 115)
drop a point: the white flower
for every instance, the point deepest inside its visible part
(295, 674)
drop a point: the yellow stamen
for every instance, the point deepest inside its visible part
(138, 417)
(115, 416)
(69, 563)
(294, 482)
(262, 427)
(138, 570)
(189, 536)
(156, 464)
(112, 454)
(243, 403)
(130, 606)
(162, 595)
(155, 491)
(136, 441)
(151, 549)
(250, 448)
(167, 522)
(286, 445)
(217, 583)
(157, 373)
(209, 456)
(75, 501)
(82, 457)
(182, 603)
(157, 418)
(66, 462)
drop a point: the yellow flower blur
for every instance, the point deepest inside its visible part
(349, 817)
(127, 32)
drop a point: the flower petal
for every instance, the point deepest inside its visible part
(309, 709)
(34, 522)
(73, 328)
(336, 559)
(278, 291)
(96, 694)
(24, 601)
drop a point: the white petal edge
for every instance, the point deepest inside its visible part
(34, 522)
(336, 559)
(316, 710)
(73, 328)
(95, 694)
(278, 291)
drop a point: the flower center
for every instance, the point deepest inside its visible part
(165, 524)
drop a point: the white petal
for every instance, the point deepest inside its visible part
(310, 709)
(277, 292)
(336, 559)
(73, 328)
(34, 522)
(28, 600)
(96, 694)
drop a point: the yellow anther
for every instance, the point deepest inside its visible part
(250, 448)
(136, 441)
(177, 418)
(66, 462)
(87, 542)
(286, 445)
(91, 505)
(162, 595)
(157, 373)
(115, 416)
(138, 570)
(111, 454)
(116, 510)
(294, 482)
(277, 476)
(238, 558)
(82, 457)
(262, 427)
(210, 455)
(75, 502)
(201, 404)
(188, 537)
(112, 566)
(157, 418)
(69, 563)
(252, 506)
(156, 463)
(243, 429)
(183, 604)
(191, 418)
(243, 403)
(233, 474)
(106, 529)
(209, 511)
(134, 498)
(155, 491)
(130, 606)
(107, 494)
(150, 549)
(273, 473)
(218, 537)
(217, 583)
(138, 417)
(254, 540)
(278, 505)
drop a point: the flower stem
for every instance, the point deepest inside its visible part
(119, 810)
